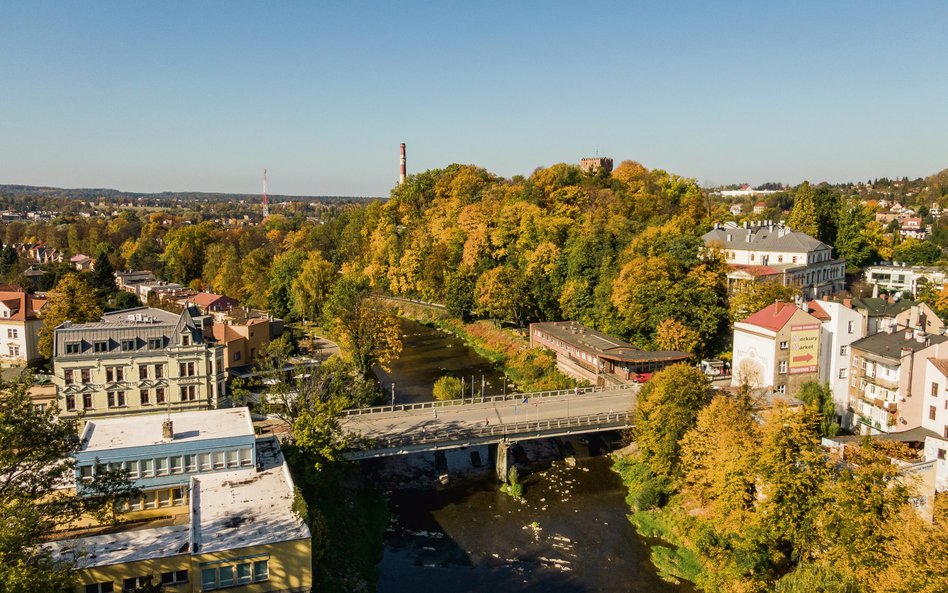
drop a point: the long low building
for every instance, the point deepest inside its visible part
(599, 358)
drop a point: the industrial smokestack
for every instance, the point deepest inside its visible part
(402, 164)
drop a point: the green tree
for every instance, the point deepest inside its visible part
(447, 388)
(803, 214)
(73, 300)
(820, 399)
(754, 296)
(284, 271)
(459, 288)
(185, 247)
(102, 277)
(668, 408)
(852, 243)
(916, 252)
(36, 448)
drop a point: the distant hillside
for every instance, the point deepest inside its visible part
(86, 194)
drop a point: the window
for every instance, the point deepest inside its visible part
(177, 496)
(142, 372)
(113, 374)
(128, 345)
(784, 345)
(87, 401)
(86, 376)
(232, 459)
(162, 465)
(934, 389)
(946, 432)
(931, 412)
(102, 346)
(85, 473)
(843, 350)
(261, 570)
(170, 578)
(12, 333)
(99, 588)
(67, 376)
(779, 259)
(781, 389)
(143, 397)
(73, 347)
(218, 459)
(159, 395)
(186, 369)
(159, 371)
(154, 343)
(941, 454)
(782, 369)
(131, 468)
(842, 373)
(225, 576)
(148, 468)
(188, 393)
(186, 341)
(116, 399)
(205, 461)
(236, 356)
(855, 361)
(133, 583)
(244, 573)
(70, 401)
(190, 463)
(176, 465)
(850, 327)
(246, 458)
(208, 579)
(151, 499)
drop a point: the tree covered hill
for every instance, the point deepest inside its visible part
(114, 195)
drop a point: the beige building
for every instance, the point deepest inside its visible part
(244, 342)
(139, 360)
(777, 347)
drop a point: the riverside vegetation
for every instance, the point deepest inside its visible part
(751, 503)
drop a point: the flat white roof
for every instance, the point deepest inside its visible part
(245, 508)
(228, 511)
(137, 431)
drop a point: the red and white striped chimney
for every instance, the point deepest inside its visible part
(402, 164)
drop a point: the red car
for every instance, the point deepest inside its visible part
(641, 377)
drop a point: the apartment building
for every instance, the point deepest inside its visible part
(139, 360)
(217, 512)
(881, 313)
(935, 419)
(841, 325)
(887, 378)
(777, 347)
(769, 252)
(20, 325)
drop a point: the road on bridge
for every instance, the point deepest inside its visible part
(428, 422)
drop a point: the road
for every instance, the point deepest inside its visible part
(430, 422)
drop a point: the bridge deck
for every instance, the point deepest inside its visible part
(397, 431)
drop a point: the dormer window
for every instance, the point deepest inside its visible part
(185, 339)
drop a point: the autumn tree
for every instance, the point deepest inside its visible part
(499, 294)
(754, 296)
(73, 300)
(672, 335)
(668, 407)
(718, 458)
(803, 214)
(367, 332)
(312, 286)
(184, 251)
(446, 388)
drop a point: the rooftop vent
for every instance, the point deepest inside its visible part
(167, 429)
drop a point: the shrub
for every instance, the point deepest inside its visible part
(447, 388)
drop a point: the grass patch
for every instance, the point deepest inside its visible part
(675, 564)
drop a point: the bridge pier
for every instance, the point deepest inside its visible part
(503, 461)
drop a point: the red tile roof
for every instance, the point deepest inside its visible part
(773, 317)
(755, 270)
(817, 311)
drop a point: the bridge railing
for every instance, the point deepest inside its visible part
(478, 400)
(511, 430)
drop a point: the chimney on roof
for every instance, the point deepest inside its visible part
(167, 429)
(875, 291)
(908, 333)
(890, 329)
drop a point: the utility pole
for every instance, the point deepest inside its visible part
(393, 394)
(482, 388)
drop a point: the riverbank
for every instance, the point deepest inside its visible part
(530, 369)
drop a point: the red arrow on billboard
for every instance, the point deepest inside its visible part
(804, 358)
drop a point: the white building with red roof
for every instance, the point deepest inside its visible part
(777, 347)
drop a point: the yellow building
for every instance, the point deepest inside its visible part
(240, 533)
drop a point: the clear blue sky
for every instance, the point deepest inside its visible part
(200, 95)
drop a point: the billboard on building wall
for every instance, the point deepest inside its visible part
(804, 348)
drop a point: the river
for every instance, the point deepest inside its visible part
(569, 534)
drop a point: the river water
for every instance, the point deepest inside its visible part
(570, 533)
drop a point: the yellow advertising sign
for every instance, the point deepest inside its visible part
(804, 348)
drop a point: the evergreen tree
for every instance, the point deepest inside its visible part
(102, 277)
(851, 241)
(803, 215)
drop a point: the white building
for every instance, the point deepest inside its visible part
(841, 326)
(19, 326)
(935, 419)
(774, 252)
(905, 279)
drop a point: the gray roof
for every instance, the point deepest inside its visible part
(876, 307)
(886, 345)
(764, 238)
